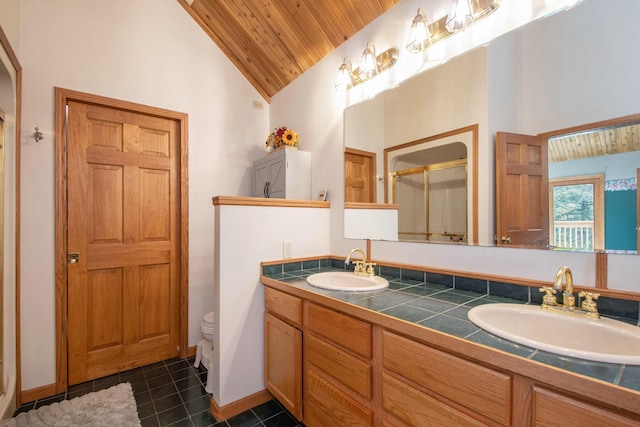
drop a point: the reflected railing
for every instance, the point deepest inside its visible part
(573, 235)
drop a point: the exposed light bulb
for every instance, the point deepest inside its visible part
(459, 13)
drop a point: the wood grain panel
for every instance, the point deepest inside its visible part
(359, 176)
(345, 368)
(100, 256)
(325, 405)
(104, 135)
(418, 409)
(106, 183)
(345, 331)
(154, 300)
(284, 305)
(482, 390)
(119, 222)
(154, 142)
(155, 205)
(105, 298)
(552, 409)
(522, 202)
(283, 363)
(273, 42)
(593, 143)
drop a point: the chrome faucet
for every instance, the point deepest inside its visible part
(568, 299)
(549, 302)
(362, 267)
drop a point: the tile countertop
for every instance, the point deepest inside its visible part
(445, 309)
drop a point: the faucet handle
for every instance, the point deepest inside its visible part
(370, 270)
(548, 299)
(589, 304)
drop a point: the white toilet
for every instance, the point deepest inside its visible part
(204, 349)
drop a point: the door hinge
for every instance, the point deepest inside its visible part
(73, 258)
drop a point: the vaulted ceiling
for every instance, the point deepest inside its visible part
(274, 41)
(595, 143)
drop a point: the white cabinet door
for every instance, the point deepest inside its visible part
(260, 179)
(278, 178)
(285, 174)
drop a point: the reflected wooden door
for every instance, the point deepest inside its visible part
(522, 191)
(359, 176)
(123, 224)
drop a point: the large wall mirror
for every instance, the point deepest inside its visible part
(560, 72)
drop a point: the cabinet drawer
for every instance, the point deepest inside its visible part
(349, 370)
(343, 330)
(326, 405)
(284, 305)
(553, 409)
(415, 408)
(480, 389)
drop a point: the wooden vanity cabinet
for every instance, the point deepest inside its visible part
(338, 378)
(328, 367)
(283, 349)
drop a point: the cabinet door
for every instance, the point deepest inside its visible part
(260, 179)
(283, 363)
(277, 177)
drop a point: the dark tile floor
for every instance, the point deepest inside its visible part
(171, 393)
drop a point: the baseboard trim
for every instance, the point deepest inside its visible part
(239, 406)
(191, 351)
(34, 394)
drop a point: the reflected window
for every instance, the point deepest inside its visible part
(573, 214)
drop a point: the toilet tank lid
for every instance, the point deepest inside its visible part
(208, 318)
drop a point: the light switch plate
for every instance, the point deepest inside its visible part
(287, 251)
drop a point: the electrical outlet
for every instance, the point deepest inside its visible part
(287, 251)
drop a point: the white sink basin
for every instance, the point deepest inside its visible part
(603, 340)
(346, 281)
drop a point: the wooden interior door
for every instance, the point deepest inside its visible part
(123, 224)
(359, 176)
(522, 190)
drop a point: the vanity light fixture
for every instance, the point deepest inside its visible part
(419, 36)
(344, 81)
(460, 13)
(370, 67)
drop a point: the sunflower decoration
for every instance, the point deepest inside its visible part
(280, 137)
(290, 137)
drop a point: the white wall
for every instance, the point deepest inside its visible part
(322, 117)
(10, 22)
(145, 51)
(245, 236)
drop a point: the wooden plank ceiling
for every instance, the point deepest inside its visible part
(274, 41)
(595, 143)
